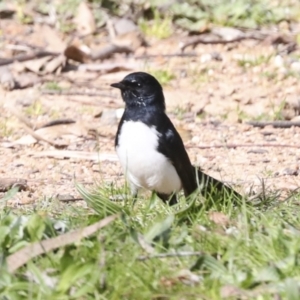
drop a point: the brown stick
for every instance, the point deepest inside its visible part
(40, 138)
(232, 146)
(28, 128)
(275, 124)
(77, 93)
(212, 41)
(21, 58)
(207, 41)
(21, 257)
(145, 56)
(18, 41)
(165, 255)
(57, 122)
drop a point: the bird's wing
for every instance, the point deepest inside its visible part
(171, 145)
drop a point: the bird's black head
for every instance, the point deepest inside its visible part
(141, 89)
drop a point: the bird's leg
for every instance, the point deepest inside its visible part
(168, 199)
(134, 192)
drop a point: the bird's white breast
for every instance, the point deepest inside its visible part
(144, 166)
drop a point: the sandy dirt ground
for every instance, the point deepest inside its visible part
(210, 99)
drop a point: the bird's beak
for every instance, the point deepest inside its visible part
(119, 85)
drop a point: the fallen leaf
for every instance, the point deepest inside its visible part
(53, 40)
(51, 133)
(37, 65)
(73, 52)
(219, 218)
(55, 64)
(84, 19)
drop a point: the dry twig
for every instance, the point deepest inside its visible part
(28, 128)
(232, 146)
(165, 255)
(25, 57)
(275, 124)
(77, 93)
(20, 258)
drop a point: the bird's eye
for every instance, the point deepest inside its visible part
(134, 83)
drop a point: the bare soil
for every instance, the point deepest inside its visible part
(209, 100)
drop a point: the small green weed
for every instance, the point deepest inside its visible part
(85, 109)
(52, 85)
(261, 59)
(160, 27)
(194, 15)
(278, 111)
(5, 130)
(35, 109)
(269, 75)
(163, 76)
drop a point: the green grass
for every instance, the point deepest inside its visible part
(5, 130)
(53, 86)
(261, 59)
(278, 111)
(157, 18)
(153, 251)
(196, 15)
(35, 109)
(164, 76)
(160, 27)
(275, 114)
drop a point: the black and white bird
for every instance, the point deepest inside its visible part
(149, 147)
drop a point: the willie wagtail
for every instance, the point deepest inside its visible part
(149, 147)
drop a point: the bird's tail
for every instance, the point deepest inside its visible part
(210, 186)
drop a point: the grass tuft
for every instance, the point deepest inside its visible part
(178, 252)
